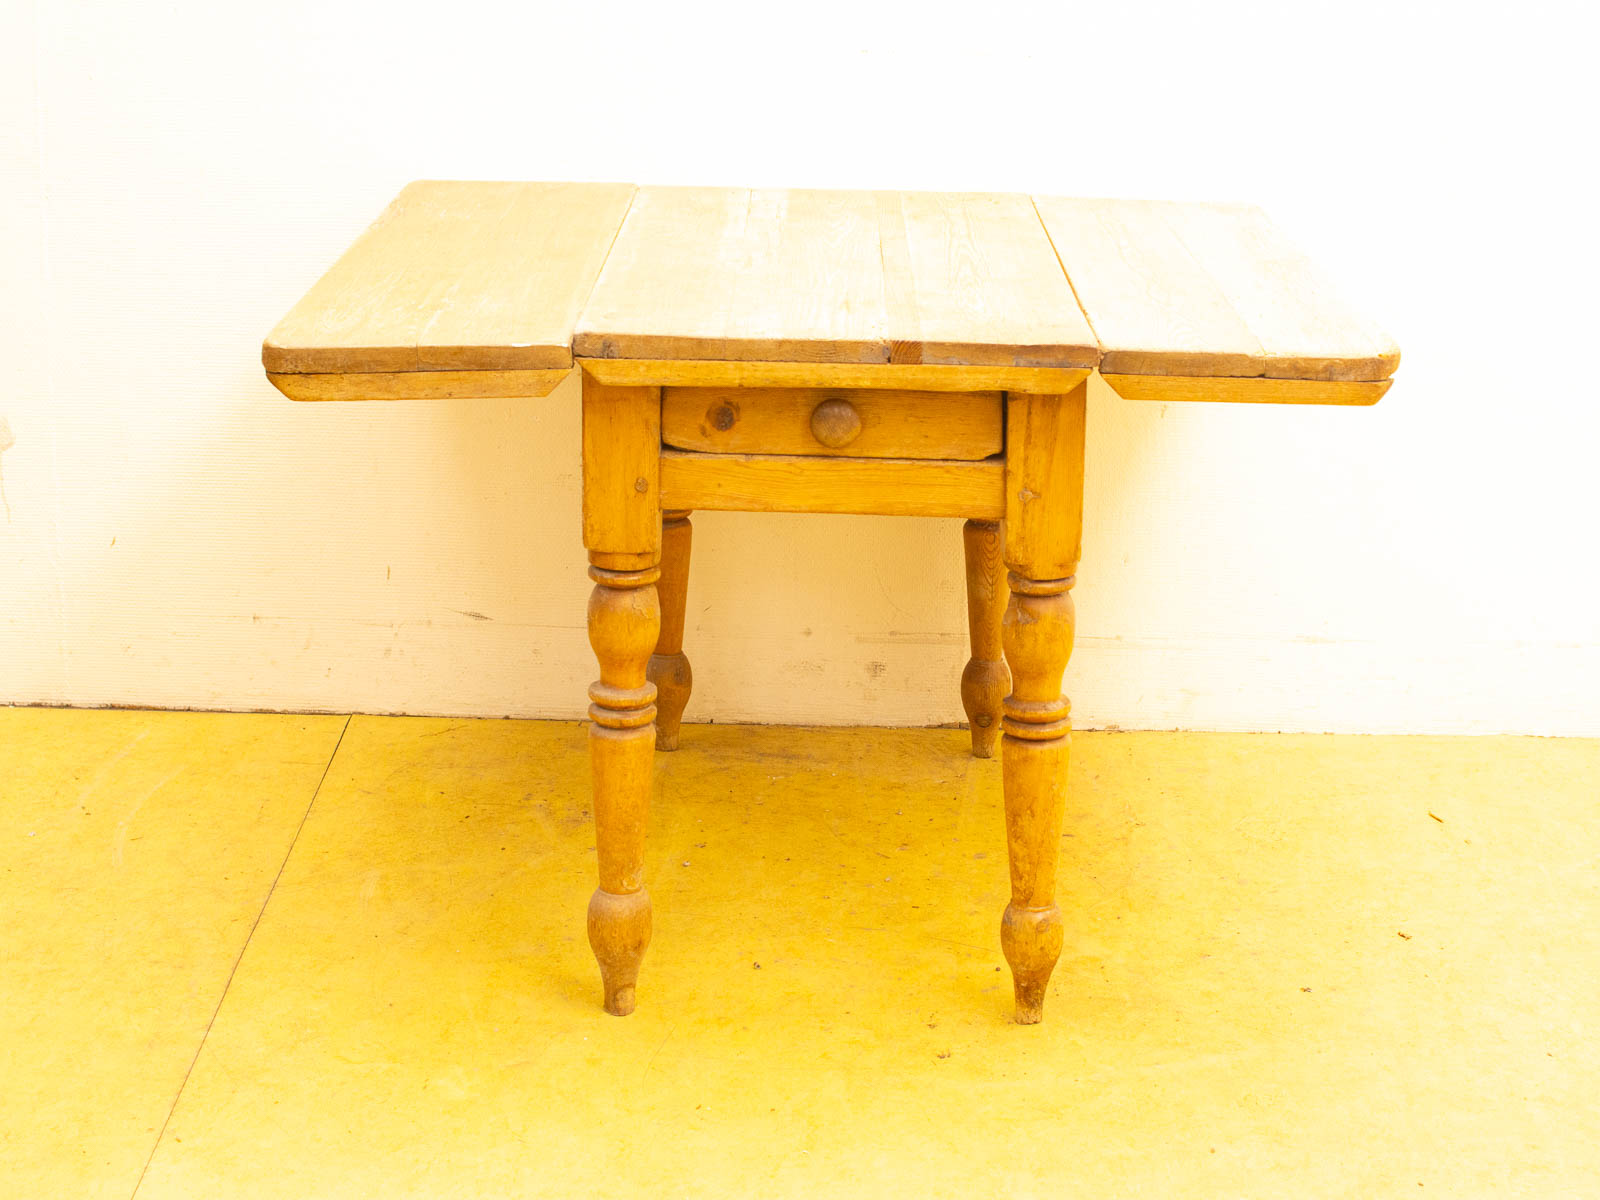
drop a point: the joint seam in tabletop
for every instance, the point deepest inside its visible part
(1259, 307)
(1062, 263)
(239, 958)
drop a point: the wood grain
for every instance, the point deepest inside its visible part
(669, 667)
(1306, 329)
(1259, 390)
(1044, 483)
(1207, 289)
(1152, 306)
(784, 483)
(971, 278)
(834, 277)
(986, 680)
(690, 373)
(418, 385)
(1038, 632)
(730, 273)
(893, 424)
(460, 276)
(779, 288)
(624, 622)
(621, 477)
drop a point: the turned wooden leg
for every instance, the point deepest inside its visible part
(1044, 519)
(622, 530)
(624, 619)
(986, 679)
(669, 668)
(1037, 724)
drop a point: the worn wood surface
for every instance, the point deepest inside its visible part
(1042, 534)
(624, 621)
(1038, 632)
(793, 483)
(1207, 289)
(796, 288)
(418, 385)
(669, 667)
(986, 679)
(968, 279)
(1044, 482)
(842, 277)
(621, 475)
(1216, 389)
(889, 424)
(457, 276)
(689, 373)
(622, 530)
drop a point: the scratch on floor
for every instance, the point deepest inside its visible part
(120, 839)
(105, 768)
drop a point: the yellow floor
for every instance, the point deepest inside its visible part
(240, 962)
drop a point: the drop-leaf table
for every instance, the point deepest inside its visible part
(827, 352)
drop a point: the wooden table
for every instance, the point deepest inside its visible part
(836, 352)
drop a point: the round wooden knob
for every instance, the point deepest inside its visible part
(835, 423)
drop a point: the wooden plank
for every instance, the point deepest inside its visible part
(1207, 289)
(783, 483)
(693, 373)
(730, 273)
(1306, 329)
(418, 385)
(1152, 306)
(457, 275)
(1259, 390)
(813, 280)
(972, 279)
(834, 277)
(526, 279)
(892, 424)
(1044, 483)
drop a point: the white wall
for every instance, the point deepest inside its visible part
(175, 533)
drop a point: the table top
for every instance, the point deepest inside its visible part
(811, 276)
(466, 277)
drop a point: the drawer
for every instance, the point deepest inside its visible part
(852, 422)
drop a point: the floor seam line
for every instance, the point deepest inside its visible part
(239, 958)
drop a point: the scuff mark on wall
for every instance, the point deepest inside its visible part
(7, 440)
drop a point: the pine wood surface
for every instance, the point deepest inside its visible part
(986, 680)
(417, 385)
(898, 376)
(493, 289)
(887, 423)
(1218, 389)
(1207, 289)
(457, 275)
(816, 276)
(621, 476)
(793, 483)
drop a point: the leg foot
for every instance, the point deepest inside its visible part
(1031, 939)
(673, 679)
(986, 679)
(669, 668)
(619, 932)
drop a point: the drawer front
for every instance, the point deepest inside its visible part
(851, 422)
